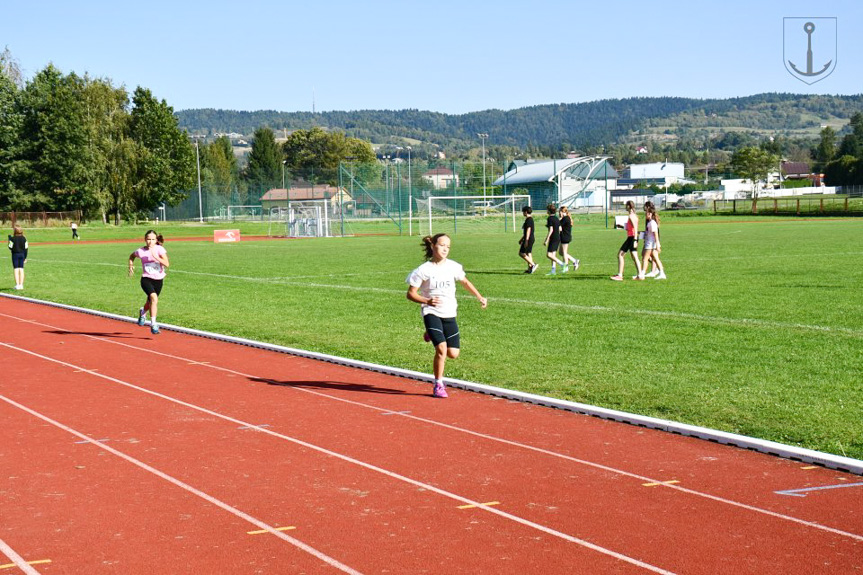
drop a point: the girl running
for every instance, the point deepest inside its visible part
(154, 260)
(566, 239)
(18, 246)
(432, 285)
(652, 246)
(630, 245)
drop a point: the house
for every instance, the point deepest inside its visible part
(574, 182)
(304, 191)
(441, 178)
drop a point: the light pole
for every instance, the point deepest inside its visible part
(283, 173)
(483, 137)
(410, 195)
(198, 162)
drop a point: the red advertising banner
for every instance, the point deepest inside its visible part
(220, 236)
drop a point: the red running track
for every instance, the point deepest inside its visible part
(123, 452)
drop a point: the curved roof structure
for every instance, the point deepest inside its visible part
(549, 170)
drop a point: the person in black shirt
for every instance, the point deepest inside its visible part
(528, 235)
(566, 239)
(552, 239)
(18, 246)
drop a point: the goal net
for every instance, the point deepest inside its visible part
(308, 218)
(469, 214)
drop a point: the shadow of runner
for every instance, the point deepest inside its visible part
(117, 334)
(335, 385)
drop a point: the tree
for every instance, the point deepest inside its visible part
(753, 164)
(165, 167)
(53, 148)
(219, 167)
(265, 162)
(826, 149)
(10, 122)
(315, 154)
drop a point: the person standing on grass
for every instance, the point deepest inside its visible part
(654, 270)
(528, 235)
(652, 247)
(566, 239)
(18, 246)
(154, 261)
(74, 226)
(552, 239)
(432, 285)
(630, 245)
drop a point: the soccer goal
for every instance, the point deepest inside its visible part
(470, 214)
(303, 219)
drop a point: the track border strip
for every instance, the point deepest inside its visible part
(829, 460)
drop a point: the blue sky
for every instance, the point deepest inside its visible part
(445, 56)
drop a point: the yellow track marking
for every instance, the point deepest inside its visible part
(672, 482)
(39, 562)
(489, 504)
(262, 531)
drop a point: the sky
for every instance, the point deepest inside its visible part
(445, 56)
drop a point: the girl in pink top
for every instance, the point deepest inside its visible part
(154, 260)
(630, 245)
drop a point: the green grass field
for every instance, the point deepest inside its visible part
(758, 330)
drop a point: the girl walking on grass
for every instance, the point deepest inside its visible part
(154, 261)
(566, 239)
(18, 246)
(630, 245)
(432, 285)
(552, 239)
(652, 247)
(528, 236)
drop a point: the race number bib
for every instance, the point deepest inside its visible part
(153, 268)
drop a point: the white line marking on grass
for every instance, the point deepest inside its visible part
(493, 438)
(209, 498)
(324, 451)
(17, 559)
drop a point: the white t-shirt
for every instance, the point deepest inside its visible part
(650, 235)
(438, 280)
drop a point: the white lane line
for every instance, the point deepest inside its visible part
(744, 322)
(17, 559)
(209, 498)
(584, 462)
(347, 459)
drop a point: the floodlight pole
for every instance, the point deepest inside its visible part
(483, 137)
(198, 162)
(410, 195)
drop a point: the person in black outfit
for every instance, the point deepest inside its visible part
(18, 246)
(528, 235)
(566, 239)
(552, 239)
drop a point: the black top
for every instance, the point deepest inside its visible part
(527, 225)
(18, 245)
(566, 226)
(553, 223)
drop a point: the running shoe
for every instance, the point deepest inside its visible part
(439, 390)
(617, 278)
(154, 329)
(553, 272)
(141, 319)
(638, 277)
(534, 267)
(565, 269)
(661, 276)
(652, 274)
(575, 264)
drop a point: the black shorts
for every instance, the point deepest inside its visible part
(566, 238)
(526, 248)
(442, 329)
(629, 245)
(553, 245)
(18, 260)
(149, 285)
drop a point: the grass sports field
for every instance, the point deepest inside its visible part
(758, 330)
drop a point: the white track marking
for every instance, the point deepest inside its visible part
(209, 498)
(17, 559)
(311, 446)
(476, 434)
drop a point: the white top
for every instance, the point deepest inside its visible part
(438, 280)
(652, 228)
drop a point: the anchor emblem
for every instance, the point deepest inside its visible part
(809, 27)
(826, 35)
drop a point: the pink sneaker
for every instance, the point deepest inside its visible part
(439, 390)
(617, 278)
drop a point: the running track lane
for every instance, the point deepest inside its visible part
(366, 484)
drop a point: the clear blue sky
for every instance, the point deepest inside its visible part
(445, 55)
